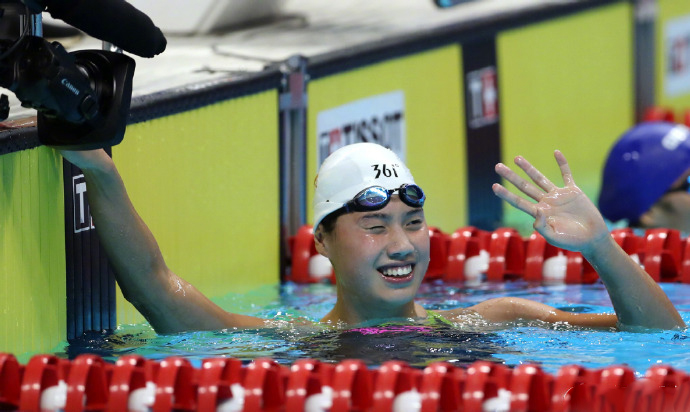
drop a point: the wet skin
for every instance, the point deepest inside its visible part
(380, 258)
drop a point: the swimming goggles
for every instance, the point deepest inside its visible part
(377, 197)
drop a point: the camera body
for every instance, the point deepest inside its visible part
(45, 77)
(82, 98)
(103, 109)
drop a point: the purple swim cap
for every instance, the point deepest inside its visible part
(641, 167)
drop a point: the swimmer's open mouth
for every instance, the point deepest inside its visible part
(397, 272)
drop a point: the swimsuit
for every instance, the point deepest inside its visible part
(437, 318)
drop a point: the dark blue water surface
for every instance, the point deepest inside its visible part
(417, 343)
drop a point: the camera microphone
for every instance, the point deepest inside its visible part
(114, 21)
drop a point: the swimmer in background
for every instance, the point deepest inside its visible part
(645, 178)
(370, 223)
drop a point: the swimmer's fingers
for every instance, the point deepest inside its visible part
(534, 174)
(565, 168)
(520, 183)
(515, 200)
(540, 223)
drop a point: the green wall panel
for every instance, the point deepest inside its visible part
(206, 183)
(32, 252)
(566, 84)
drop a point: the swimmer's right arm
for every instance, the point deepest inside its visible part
(168, 302)
(569, 220)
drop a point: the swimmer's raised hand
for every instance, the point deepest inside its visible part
(568, 219)
(563, 215)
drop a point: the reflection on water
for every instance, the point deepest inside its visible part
(417, 347)
(417, 343)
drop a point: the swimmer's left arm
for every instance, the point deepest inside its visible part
(511, 309)
(569, 220)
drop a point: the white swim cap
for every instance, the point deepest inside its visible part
(353, 168)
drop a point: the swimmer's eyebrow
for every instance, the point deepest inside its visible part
(382, 216)
(387, 216)
(415, 211)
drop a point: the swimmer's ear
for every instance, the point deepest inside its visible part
(654, 217)
(646, 219)
(319, 241)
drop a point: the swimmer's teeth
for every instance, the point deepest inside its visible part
(398, 272)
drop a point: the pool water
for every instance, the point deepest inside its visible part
(417, 343)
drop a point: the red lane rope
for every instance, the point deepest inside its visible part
(508, 256)
(173, 384)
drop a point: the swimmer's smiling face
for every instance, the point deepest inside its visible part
(379, 257)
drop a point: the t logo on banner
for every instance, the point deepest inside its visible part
(482, 97)
(677, 56)
(82, 216)
(89, 279)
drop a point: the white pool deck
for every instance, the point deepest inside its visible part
(306, 27)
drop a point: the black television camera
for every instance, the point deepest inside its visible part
(82, 97)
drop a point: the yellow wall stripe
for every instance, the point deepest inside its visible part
(32, 282)
(206, 183)
(568, 88)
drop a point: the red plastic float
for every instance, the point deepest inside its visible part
(658, 114)
(438, 252)
(392, 379)
(613, 388)
(349, 385)
(661, 254)
(87, 384)
(440, 388)
(175, 385)
(263, 386)
(464, 243)
(10, 378)
(684, 275)
(131, 373)
(303, 249)
(628, 240)
(215, 382)
(530, 389)
(352, 387)
(657, 391)
(42, 372)
(484, 381)
(573, 388)
(506, 255)
(307, 377)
